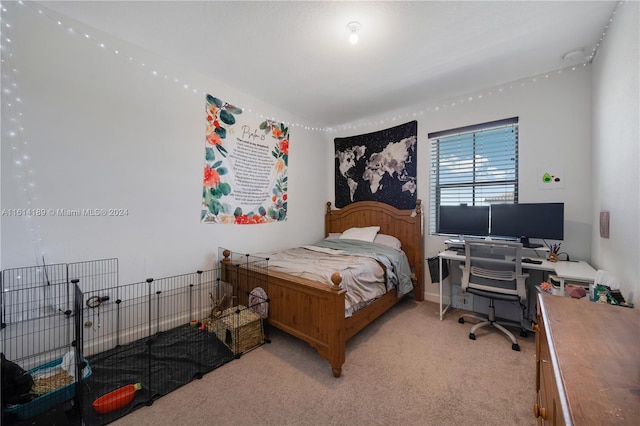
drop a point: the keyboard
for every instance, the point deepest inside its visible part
(533, 261)
(461, 252)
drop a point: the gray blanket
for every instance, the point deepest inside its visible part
(396, 262)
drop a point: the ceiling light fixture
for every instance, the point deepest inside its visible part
(353, 27)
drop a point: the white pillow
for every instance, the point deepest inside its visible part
(363, 234)
(388, 240)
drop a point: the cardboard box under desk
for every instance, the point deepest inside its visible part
(239, 328)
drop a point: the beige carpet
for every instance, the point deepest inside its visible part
(407, 368)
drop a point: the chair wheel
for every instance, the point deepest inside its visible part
(515, 347)
(461, 320)
(524, 333)
(472, 336)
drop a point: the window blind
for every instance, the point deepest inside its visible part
(474, 165)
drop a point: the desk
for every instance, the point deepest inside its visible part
(565, 271)
(573, 271)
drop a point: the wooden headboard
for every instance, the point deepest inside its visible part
(405, 225)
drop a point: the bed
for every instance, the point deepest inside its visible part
(314, 311)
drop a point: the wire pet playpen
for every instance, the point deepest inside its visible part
(39, 332)
(159, 333)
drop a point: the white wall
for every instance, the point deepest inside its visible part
(555, 132)
(102, 132)
(616, 138)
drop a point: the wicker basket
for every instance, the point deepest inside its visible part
(239, 328)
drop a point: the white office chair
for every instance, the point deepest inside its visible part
(493, 269)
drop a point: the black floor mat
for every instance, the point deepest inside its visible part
(161, 364)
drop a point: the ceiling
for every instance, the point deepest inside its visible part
(296, 55)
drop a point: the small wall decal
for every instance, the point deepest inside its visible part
(550, 178)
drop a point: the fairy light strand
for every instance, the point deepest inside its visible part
(153, 71)
(453, 102)
(21, 165)
(457, 101)
(440, 105)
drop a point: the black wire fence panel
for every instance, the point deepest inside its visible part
(41, 315)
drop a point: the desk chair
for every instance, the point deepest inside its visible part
(493, 269)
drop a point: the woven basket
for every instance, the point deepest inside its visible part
(239, 328)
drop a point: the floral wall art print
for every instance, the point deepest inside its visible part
(245, 167)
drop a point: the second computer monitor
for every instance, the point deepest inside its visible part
(532, 220)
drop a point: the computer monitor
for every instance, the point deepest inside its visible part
(464, 220)
(530, 220)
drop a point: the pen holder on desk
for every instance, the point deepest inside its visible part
(553, 257)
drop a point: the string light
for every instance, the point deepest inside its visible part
(184, 85)
(451, 103)
(443, 105)
(21, 167)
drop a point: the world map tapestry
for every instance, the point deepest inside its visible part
(379, 166)
(245, 167)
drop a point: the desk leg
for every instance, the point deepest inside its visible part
(440, 285)
(442, 311)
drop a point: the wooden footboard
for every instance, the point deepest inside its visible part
(312, 312)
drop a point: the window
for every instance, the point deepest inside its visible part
(474, 165)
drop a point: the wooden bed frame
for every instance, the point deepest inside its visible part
(315, 312)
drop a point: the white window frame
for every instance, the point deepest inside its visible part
(475, 179)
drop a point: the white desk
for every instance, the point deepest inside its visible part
(565, 271)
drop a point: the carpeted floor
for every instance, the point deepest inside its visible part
(408, 368)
